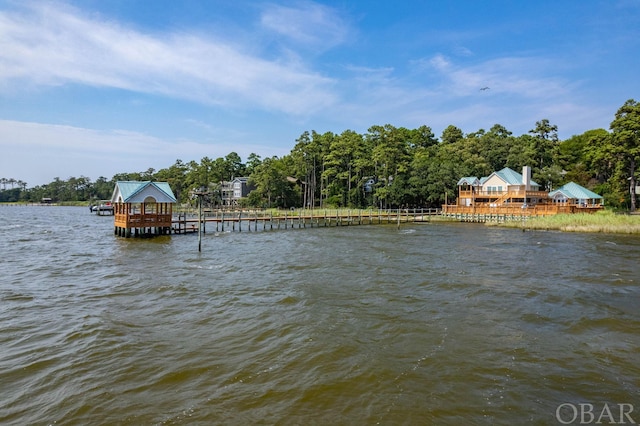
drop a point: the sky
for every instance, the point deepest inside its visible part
(99, 87)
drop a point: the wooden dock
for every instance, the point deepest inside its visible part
(264, 220)
(224, 221)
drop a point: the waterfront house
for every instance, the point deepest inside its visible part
(504, 188)
(142, 208)
(231, 192)
(572, 193)
(507, 192)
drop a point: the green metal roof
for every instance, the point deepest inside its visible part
(470, 180)
(508, 175)
(512, 177)
(574, 191)
(129, 189)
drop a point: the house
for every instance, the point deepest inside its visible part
(368, 185)
(142, 208)
(572, 193)
(504, 187)
(231, 192)
(507, 192)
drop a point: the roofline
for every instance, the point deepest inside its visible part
(143, 185)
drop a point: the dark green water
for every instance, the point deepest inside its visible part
(426, 324)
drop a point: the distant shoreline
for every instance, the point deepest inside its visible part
(600, 222)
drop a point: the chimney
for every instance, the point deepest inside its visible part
(526, 178)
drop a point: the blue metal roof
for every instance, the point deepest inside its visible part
(574, 191)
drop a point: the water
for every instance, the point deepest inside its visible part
(426, 324)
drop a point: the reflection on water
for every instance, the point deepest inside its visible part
(430, 323)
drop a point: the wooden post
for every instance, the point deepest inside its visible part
(200, 223)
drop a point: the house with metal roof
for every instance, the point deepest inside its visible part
(572, 193)
(142, 208)
(507, 192)
(505, 188)
(508, 179)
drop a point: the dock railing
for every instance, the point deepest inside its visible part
(246, 219)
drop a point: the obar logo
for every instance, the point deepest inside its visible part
(585, 414)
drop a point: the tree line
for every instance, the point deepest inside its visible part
(391, 167)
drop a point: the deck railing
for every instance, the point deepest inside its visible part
(512, 193)
(519, 210)
(142, 220)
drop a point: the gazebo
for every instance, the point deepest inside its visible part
(142, 208)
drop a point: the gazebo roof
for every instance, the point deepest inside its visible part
(138, 192)
(469, 180)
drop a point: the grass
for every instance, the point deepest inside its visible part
(604, 221)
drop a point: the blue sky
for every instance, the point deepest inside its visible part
(98, 87)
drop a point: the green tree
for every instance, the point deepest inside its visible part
(233, 166)
(391, 155)
(451, 134)
(340, 171)
(308, 156)
(102, 188)
(253, 161)
(522, 153)
(176, 177)
(495, 146)
(422, 137)
(272, 186)
(545, 143)
(575, 155)
(625, 143)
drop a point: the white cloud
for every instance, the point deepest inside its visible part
(525, 77)
(307, 23)
(69, 47)
(441, 92)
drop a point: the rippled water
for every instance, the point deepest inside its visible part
(426, 324)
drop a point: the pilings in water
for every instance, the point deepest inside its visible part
(487, 217)
(254, 221)
(231, 221)
(142, 231)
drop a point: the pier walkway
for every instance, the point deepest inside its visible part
(251, 220)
